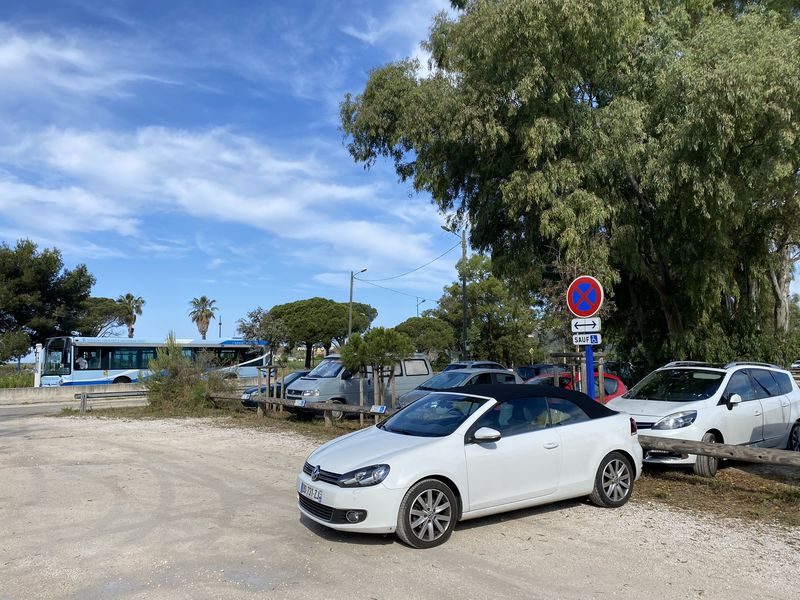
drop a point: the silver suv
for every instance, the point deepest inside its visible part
(747, 403)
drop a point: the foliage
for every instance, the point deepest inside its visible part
(202, 313)
(320, 321)
(260, 324)
(38, 297)
(499, 318)
(182, 385)
(101, 317)
(380, 349)
(10, 377)
(14, 345)
(131, 307)
(651, 143)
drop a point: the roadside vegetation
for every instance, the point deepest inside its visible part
(10, 378)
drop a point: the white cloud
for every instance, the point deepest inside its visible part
(113, 182)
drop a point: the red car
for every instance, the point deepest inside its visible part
(613, 384)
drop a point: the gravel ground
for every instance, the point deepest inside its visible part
(101, 508)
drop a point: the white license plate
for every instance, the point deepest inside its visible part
(311, 492)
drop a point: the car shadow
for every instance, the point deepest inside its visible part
(348, 537)
(521, 513)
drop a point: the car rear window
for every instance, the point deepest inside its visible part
(784, 382)
(564, 412)
(766, 385)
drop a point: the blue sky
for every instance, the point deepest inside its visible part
(186, 148)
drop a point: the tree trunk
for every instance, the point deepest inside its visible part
(309, 346)
(638, 314)
(781, 277)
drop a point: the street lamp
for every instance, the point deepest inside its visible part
(463, 274)
(350, 308)
(419, 301)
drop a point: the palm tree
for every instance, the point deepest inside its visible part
(131, 306)
(202, 313)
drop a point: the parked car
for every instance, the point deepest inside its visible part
(795, 365)
(752, 404)
(250, 395)
(530, 371)
(329, 381)
(450, 380)
(453, 456)
(473, 364)
(614, 387)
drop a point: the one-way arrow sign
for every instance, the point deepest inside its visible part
(591, 325)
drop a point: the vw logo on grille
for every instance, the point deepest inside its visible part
(315, 473)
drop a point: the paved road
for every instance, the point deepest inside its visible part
(105, 509)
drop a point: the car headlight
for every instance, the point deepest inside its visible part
(677, 420)
(245, 396)
(310, 392)
(366, 476)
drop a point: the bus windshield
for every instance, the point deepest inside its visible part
(57, 357)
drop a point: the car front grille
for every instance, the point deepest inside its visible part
(315, 508)
(640, 425)
(326, 476)
(294, 392)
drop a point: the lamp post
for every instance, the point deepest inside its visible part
(419, 301)
(463, 273)
(350, 307)
(220, 326)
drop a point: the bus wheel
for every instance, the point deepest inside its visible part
(122, 380)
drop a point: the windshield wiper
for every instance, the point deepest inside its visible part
(400, 431)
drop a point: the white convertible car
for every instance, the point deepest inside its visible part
(453, 456)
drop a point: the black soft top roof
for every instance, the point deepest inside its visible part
(502, 392)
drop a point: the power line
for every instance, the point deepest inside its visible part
(395, 291)
(413, 270)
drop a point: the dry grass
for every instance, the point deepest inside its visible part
(753, 492)
(763, 493)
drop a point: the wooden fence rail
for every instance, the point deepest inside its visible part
(742, 453)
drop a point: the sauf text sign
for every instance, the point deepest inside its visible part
(587, 339)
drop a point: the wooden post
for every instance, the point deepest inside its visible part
(743, 453)
(601, 379)
(583, 375)
(84, 402)
(362, 374)
(394, 391)
(259, 410)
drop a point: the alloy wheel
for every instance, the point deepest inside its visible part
(430, 515)
(616, 480)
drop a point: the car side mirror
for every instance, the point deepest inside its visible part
(735, 399)
(485, 435)
(347, 375)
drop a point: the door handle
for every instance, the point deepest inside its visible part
(551, 445)
(757, 413)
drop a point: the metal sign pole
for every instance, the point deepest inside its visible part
(589, 371)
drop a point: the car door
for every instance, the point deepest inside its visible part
(743, 423)
(774, 404)
(524, 464)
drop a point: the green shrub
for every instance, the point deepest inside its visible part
(12, 379)
(180, 385)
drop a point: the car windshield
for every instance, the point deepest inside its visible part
(677, 385)
(435, 415)
(445, 381)
(327, 368)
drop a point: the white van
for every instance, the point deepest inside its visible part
(329, 381)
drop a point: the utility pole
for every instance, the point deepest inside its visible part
(464, 292)
(463, 273)
(350, 306)
(220, 326)
(419, 301)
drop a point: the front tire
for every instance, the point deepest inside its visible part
(337, 415)
(427, 514)
(794, 438)
(706, 466)
(613, 484)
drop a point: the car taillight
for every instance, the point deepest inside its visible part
(633, 427)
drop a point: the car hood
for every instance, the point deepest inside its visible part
(371, 446)
(652, 408)
(307, 383)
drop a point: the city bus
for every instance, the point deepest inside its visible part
(102, 360)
